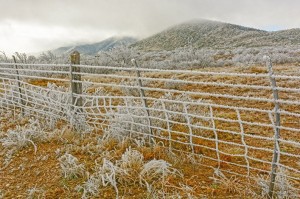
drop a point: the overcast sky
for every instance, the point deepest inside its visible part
(37, 25)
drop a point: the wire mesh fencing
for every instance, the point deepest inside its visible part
(229, 119)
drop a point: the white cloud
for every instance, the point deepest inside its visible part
(30, 37)
(33, 25)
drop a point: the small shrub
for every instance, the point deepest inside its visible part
(23, 136)
(231, 185)
(130, 165)
(156, 171)
(104, 175)
(129, 120)
(34, 192)
(71, 168)
(129, 169)
(283, 187)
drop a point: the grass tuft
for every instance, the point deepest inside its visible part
(71, 168)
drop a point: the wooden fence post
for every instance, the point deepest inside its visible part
(277, 129)
(76, 87)
(142, 94)
(19, 85)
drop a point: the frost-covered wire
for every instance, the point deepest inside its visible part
(231, 128)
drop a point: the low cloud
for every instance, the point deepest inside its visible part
(37, 25)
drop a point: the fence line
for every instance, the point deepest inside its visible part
(226, 118)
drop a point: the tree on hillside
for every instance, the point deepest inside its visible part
(47, 57)
(118, 56)
(3, 56)
(21, 57)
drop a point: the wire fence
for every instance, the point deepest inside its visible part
(243, 124)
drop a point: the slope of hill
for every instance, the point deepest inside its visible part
(216, 35)
(197, 33)
(90, 49)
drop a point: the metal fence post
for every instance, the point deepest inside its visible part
(76, 87)
(19, 85)
(142, 94)
(277, 124)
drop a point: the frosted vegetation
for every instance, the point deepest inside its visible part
(194, 44)
(129, 121)
(131, 168)
(190, 58)
(181, 58)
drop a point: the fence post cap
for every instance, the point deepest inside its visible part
(75, 57)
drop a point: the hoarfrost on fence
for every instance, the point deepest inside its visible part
(225, 118)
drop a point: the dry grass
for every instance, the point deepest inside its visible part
(41, 171)
(40, 174)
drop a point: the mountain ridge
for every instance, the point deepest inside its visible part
(217, 35)
(94, 48)
(201, 33)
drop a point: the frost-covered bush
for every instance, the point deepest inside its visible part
(129, 120)
(23, 136)
(179, 58)
(104, 175)
(130, 165)
(90, 187)
(283, 185)
(283, 188)
(131, 159)
(56, 103)
(35, 192)
(156, 171)
(130, 169)
(80, 117)
(70, 166)
(53, 103)
(230, 184)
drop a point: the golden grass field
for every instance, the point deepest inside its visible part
(42, 170)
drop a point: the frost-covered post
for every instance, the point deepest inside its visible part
(276, 126)
(76, 87)
(19, 85)
(142, 94)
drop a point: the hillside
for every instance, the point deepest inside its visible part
(197, 33)
(216, 35)
(90, 49)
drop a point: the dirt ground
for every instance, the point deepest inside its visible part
(38, 175)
